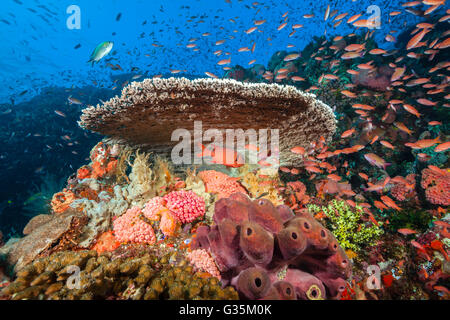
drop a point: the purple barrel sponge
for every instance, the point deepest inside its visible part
(268, 252)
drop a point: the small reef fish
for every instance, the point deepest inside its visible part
(390, 203)
(401, 126)
(74, 100)
(406, 231)
(422, 144)
(375, 160)
(101, 51)
(227, 157)
(442, 147)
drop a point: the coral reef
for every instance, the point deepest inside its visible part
(267, 252)
(436, 183)
(106, 242)
(85, 275)
(262, 183)
(62, 200)
(404, 189)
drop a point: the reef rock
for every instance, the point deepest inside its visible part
(42, 235)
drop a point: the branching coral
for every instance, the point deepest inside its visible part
(122, 164)
(141, 186)
(347, 225)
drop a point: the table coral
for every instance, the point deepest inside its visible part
(220, 183)
(267, 252)
(437, 185)
(148, 112)
(185, 205)
(129, 227)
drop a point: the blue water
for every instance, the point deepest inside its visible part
(38, 49)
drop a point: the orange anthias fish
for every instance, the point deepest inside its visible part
(411, 110)
(364, 176)
(387, 144)
(398, 73)
(347, 133)
(353, 149)
(313, 169)
(442, 147)
(390, 203)
(406, 231)
(348, 94)
(421, 144)
(376, 160)
(298, 150)
(227, 157)
(363, 107)
(401, 126)
(380, 205)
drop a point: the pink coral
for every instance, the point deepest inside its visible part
(185, 205)
(436, 183)
(130, 228)
(404, 189)
(220, 183)
(153, 208)
(202, 261)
